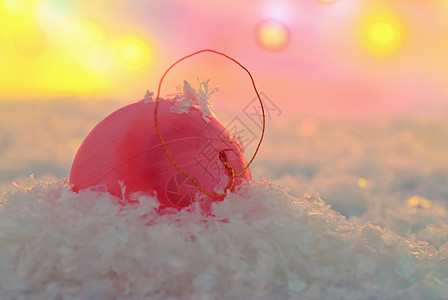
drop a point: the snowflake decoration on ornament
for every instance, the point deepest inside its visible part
(199, 99)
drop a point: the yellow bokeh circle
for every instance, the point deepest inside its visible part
(133, 51)
(272, 35)
(382, 33)
(362, 182)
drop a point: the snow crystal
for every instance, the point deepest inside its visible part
(148, 96)
(181, 106)
(199, 99)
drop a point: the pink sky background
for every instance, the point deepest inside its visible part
(326, 68)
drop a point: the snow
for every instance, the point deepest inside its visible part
(200, 99)
(275, 238)
(261, 244)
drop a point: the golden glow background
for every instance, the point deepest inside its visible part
(345, 57)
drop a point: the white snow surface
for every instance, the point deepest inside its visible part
(307, 232)
(261, 243)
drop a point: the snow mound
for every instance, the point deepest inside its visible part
(262, 243)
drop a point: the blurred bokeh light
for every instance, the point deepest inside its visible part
(382, 32)
(272, 35)
(133, 51)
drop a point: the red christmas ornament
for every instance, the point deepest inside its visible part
(123, 154)
(175, 148)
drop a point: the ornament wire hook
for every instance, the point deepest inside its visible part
(229, 167)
